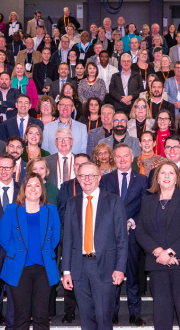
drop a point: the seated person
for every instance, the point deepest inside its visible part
(84, 49)
(4, 66)
(14, 147)
(103, 157)
(8, 97)
(91, 113)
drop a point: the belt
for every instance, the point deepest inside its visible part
(91, 255)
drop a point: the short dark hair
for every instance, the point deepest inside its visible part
(157, 49)
(157, 80)
(147, 132)
(4, 72)
(104, 51)
(40, 26)
(177, 62)
(15, 138)
(5, 155)
(23, 95)
(174, 137)
(80, 63)
(2, 16)
(119, 112)
(122, 145)
(45, 48)
(63, 63)
(37, 12)
(66, 97)
(94, 65)
(82, 155)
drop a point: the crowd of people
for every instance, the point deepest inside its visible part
(89, 170)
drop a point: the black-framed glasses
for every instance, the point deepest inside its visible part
(140, 106)
(172, 148)
(6, 168)
(65, 139)
(163, 119)
(91, 177)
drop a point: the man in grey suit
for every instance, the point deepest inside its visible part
(174, 52)
(172, 87)
(56, 86)
(120, 124)
(97, 134)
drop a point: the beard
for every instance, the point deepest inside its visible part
(120, 130)
(4, 86)
(157, 94)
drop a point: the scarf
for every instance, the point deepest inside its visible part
(105, 43)
(159, 147)
(22, 84)
(142, 156)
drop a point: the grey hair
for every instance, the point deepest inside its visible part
(125, 55)
(65, 37)
(122, 145)
(108, 106)
(89, 164)
(64, 130)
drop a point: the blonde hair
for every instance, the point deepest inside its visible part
(13, 12)
(140, 52)
(132, 114)
(145, 25)
(30, 165)
(170, 66)
(161, 40)
(14, 70)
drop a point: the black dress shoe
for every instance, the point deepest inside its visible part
(115, 319)
(73, 316)
(67, 318)
(2, 319)
(137, 321)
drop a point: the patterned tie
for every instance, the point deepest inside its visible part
(88, 233)
(21, 128)
(5, 198)
(65, 170)
(124, 186)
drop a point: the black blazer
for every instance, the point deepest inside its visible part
(90, 52)
(39, 75)
(147, 232)
(54, 87)
(116, 90)
(170, 42)
(11, 98)
(60, 23)
(10, 57)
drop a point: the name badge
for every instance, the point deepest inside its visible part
(82, 56)
(28, 66)
(144, 84)
(66, 28)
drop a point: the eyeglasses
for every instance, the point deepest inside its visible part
(68, 90)
(45, 104)
(172, 148)
(5, 168)
(143, 44)
(160, 52)
(65, 105)
(177, 67)
(120, 121)
(163, 119)
(140, 106)
(144, 54)
(63, 139)
(47, 37)
(91, 177)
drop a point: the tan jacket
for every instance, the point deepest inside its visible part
(31, 27)
(21, 57)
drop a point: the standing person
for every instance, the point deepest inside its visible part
(142, 66)
(99, 261)
(16, 44)
(8, 191)
(33, 23)
(31, 268)
(14, 147)
(158, 52)
(172, 87)
(65, 20)
(145, 30)
(163, 126)
(69, 90)
(39, 36)
(74, 37)
(157, 42)
(84, 49)
(107, 25)
(131, 186)
(173, 53)
(61, 163)
(134, 48)
(171, 35)
(80, 73)
(165, 69)
(132, 33)
(61, 55)
(93, 31)
(69, 189)
(98, 47)
(106, 43)
(79, 131)
(2, 23)
(157, 235)
(72, 59)
(12, 26)
(116, 55)
(121, 26)
(155, 28)
(92, 86)
(103, 157)
(47, 43)
(56, 37)
(91, 113)
(47, 109)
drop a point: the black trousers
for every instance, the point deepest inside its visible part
(69, 301)
(166, 295)
(31, 298)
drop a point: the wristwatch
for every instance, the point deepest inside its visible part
(129, 223)
(170, 253)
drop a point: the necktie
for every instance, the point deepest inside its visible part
(88, 233)
(124, 186)
(5, 198)
(121, 29)
(62, 83)
(21, 128)
(65, 170)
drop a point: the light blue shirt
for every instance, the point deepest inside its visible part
(125, 80)
(64, 54)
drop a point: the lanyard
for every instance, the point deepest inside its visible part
(177, 85)
(105, 132)
(65, 21)
(65, 124)
(165, 77)
(74, 187)
(151, 106)
(18, 172)
(59, 165)
(145, 71)
(110, 169)
(13, 47)
(90, 124)
(144, 128)
(28, 153)
(84, 51)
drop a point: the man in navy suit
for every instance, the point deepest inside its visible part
(69, 189)
(94, 249)
(131, 186)
(18, 125)
(15, 148)
(8, 194)
(8, 97)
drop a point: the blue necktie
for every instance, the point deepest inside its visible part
(62, 83)
(5, 198)
(124, 186)
(21, 128)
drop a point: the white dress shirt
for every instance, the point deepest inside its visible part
(106, 74)
(122, 29)
(125, 79)
(4, 96)
(61, 160)
(10, 191)
(18, 167)
(37, 42)
(25, 122)
(157, 102)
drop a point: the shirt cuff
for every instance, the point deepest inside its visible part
(133, 223)
(66, 272)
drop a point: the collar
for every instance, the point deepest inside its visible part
(178, 165)
(10, 185)
(133, 54)
(157, 102)
(61, 156)
(95, 193)
(69, 122)
(129, 73)
(128, 172)
(27, 52)
(18, 161)
(5, 90)
(26, 117)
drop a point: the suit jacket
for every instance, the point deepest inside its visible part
(94, 136)
(10, 57)
(147, 231)
(131, 141)
(10, 127)
(36, 56)
(132, 126)
(60, 24)
(31, 27)
(116, 90)
(173, 54)
(170, 41)
(16, 190)
(171, 90)
(10, 47)
(66, 192)
(6, 33)
(54, 87)
(78, 50)
(11, 98)
(56, 58)
(110, 236)
(23, 171)
(39, 75)
(137, 189)
(2, 147)
(14, 241)
(79, 132)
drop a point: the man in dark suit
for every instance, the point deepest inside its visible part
(8, 97)
(94, 259)
(69, 189)
(65, 20)
(121, 26)
(2, 147)
(125, 86)
(44, 72)
(15, 148)
(172, 153)
(17, 126)
(131, 186)
(56, 86)
(61, 55)
(8, 194)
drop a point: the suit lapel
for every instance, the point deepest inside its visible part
(14, 127)
(79, 201)
(131, 184)
(100, 208)
(22, 223)
(44, 221)
(121, 85)
(174, 203)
